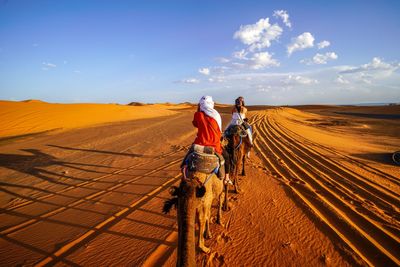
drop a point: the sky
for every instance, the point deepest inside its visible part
(269, 52)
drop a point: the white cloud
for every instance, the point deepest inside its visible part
(298, 79)
(258, 35)
(301, 42)
(189, 80)
(222, 60)
(328, 85)
(35, 45)
(372, 73)
(216, 79)
(48, 65)
(204, 71)
(320, 58)
(377, 65)
(284, 16)
(341, 80)
(240, 54)
(323, 44)
(262, 60)
(77, 71)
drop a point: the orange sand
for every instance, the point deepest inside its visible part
(320, 189)
(33, 116)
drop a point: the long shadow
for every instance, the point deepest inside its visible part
(106, 228)
(384, 158)
(37, 250)
(371, 115)
(98, 232)
(35, 163)
(103, 151)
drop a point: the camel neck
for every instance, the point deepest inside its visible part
(186, 227)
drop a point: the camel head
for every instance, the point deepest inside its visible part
(185, 189)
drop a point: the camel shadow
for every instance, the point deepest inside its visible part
(102, 151)
(35, 164)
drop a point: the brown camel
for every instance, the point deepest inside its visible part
(194, 196)
(238, 145)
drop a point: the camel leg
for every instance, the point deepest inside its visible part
(221, 201)
(202, 223)
(243, 170)
(225, 206)
(207, 231)
(236, 182)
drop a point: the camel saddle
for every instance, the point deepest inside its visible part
(202, 159)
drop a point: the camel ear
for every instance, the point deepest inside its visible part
(200, 191)
(168, 204)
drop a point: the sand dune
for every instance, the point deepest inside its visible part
(320, 189)
(33, 116)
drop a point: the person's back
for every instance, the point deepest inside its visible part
(208, 123)
(209, 133)
(238, 115)
(239, 112)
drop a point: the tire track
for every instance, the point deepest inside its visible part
(384, 198)
(350, 160)
(346, 197)
(20, 226)
(342, 217)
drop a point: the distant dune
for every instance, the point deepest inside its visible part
(34, 116)
(33, 101)
(136, 104)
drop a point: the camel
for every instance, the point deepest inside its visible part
(238, 145)
(194, 198)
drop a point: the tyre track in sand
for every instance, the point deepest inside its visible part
(336, 196)
(350, 160)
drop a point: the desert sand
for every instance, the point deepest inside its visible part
(320, 188)
(35, 116)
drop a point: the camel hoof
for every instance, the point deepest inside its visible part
(205, 249)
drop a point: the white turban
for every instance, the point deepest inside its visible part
(207, 106)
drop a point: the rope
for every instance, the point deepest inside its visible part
(237, 147)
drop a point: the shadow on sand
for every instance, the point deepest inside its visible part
(371, 116)
(383, 158)
(102, 151)
(35, 163)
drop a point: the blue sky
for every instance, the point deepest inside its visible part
(284, 52)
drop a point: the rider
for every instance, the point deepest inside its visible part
(239, 112)
(208, 123)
